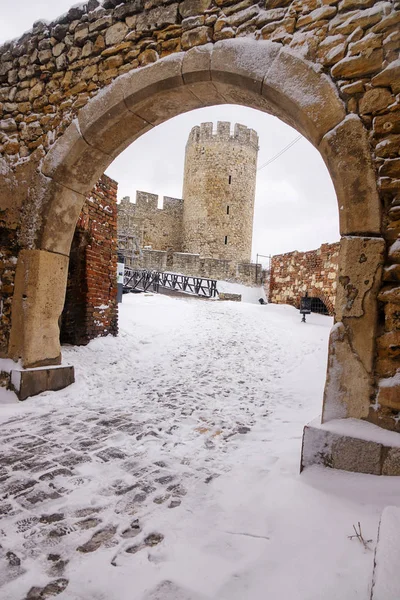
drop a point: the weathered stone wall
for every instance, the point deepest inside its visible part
(91, 308)
(216, 268)
(153, 259)
(250, 273)
(219, 190)
(186, 263)
(295, 273)
(156, 228)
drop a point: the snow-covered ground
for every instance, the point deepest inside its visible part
(170, 469)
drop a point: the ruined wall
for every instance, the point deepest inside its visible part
(91, 308)
(218, 190)
(295, 273)
(158, 228)
(153, 259)
(216, 268)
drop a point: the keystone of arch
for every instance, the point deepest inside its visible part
(266, 76)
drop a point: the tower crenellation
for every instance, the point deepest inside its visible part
(205, 133)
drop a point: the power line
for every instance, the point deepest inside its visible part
(292, 143)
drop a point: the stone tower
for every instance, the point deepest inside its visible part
(218, 191)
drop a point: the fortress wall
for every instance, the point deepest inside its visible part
(249, 273)
(159, 228)
(153, 259)
(216, 268)
(185, 263)
(295, 273)
(91, 308)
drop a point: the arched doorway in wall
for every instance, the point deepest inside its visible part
(134, 103)
(292, 210)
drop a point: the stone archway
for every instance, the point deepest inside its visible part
(76, 98)
(238, 71)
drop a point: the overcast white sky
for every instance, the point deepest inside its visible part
(296, 206)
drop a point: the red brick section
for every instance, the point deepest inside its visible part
(9, 247)
(91, 308)
(294, 273)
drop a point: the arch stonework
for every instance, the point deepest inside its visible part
(311, 65)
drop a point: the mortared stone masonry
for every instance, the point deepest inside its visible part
(295, 273)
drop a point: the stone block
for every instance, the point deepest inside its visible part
(157, 18)
(348, 386)
(351, 67)
(156, 93)
(35, 381)
(73, 163)
(356, 456)
(300, 90)
(106, 122)
(231, 297)
(233, 62)
(207, 92)
(38, 300)
(391, 464)
(347, 155)
(351, 445)
(190, 8)
(196, 37)
(63, 206)
(389, 392)
(166, 105)
(145, 83)
(360, 264)
(196, 65)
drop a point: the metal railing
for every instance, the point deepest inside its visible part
(143, 280)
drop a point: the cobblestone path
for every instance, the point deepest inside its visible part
(163, 409)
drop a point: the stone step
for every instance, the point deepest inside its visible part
(351, 445)
(30, 382)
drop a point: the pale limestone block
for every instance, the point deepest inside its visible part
(308, 97)
(147, 82)
(348, 386)
(106, 122)
(38, 300)
(63, 207)
(196, 64)
(360, 265)
(243, 63)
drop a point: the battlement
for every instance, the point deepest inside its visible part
(204, 133)
(149, 203)
(145, 200)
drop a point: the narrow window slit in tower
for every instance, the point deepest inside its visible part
(226, 239)
(230, 179)
(227, 209)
